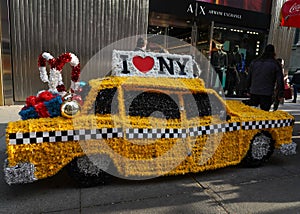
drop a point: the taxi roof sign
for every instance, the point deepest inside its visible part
(151, 64)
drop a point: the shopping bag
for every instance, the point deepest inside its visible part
(287, 92)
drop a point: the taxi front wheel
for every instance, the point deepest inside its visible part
(261, 149)
(84, 171)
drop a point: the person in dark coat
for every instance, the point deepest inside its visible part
(296, 84)
(276, 99)
(232, 76)
(141, 45)
(264, 73)
(220, 62)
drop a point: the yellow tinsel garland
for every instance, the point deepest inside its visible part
(200, 153)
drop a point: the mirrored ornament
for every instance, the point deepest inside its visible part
(70, 109)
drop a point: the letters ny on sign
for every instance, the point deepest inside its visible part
(138, 63)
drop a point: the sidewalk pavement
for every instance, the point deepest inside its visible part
(9, 113)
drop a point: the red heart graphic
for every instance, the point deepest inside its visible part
(144, 65)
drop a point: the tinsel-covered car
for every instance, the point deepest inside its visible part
(151, 117)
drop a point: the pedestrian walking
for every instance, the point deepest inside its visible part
(232, 76)
(264, 73)
(296, 84)
(276, 100)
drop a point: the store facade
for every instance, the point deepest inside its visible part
(205, 23)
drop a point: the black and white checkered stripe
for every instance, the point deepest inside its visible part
(64, 136)
(214, 129)
(155, 133)
(266, 124)
(137, 133)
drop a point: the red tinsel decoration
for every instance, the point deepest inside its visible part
(75, 73)
(41, 109)
(41, 61)
(31, 101)
(62, 60)
(45, 96)
(61, 88)
(42, 97)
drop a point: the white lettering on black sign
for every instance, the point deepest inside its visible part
(225, 14)
(138, 63)
(201, 10)
(198, 10)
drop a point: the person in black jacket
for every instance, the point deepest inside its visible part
(296, 84)
(220, 62)
(141, 45)
(232, 76)
(276, 98)
(264, 73)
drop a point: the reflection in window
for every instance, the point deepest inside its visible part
(206, 105)
(153, 104)
(103, 103)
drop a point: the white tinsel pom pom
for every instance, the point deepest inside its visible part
(47, 56)
(75, 85)
(74, 60)
(43, 74)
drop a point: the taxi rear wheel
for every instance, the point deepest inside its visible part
(260, 151)
(86, 173)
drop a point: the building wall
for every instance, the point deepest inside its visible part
(82, 27)
(5, 77)
(281, 37)
(294, 61)
(295, 55)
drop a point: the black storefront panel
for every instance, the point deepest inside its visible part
(201, 10)
(261, 6)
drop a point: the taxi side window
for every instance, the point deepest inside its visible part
(218, 107)
(151, 103)
(203, 105)
(103, 103)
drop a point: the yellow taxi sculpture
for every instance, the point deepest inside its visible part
(151, 117)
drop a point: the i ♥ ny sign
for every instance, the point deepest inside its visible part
(138, 63)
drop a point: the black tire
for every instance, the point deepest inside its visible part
(85, 173)
(260, 151)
